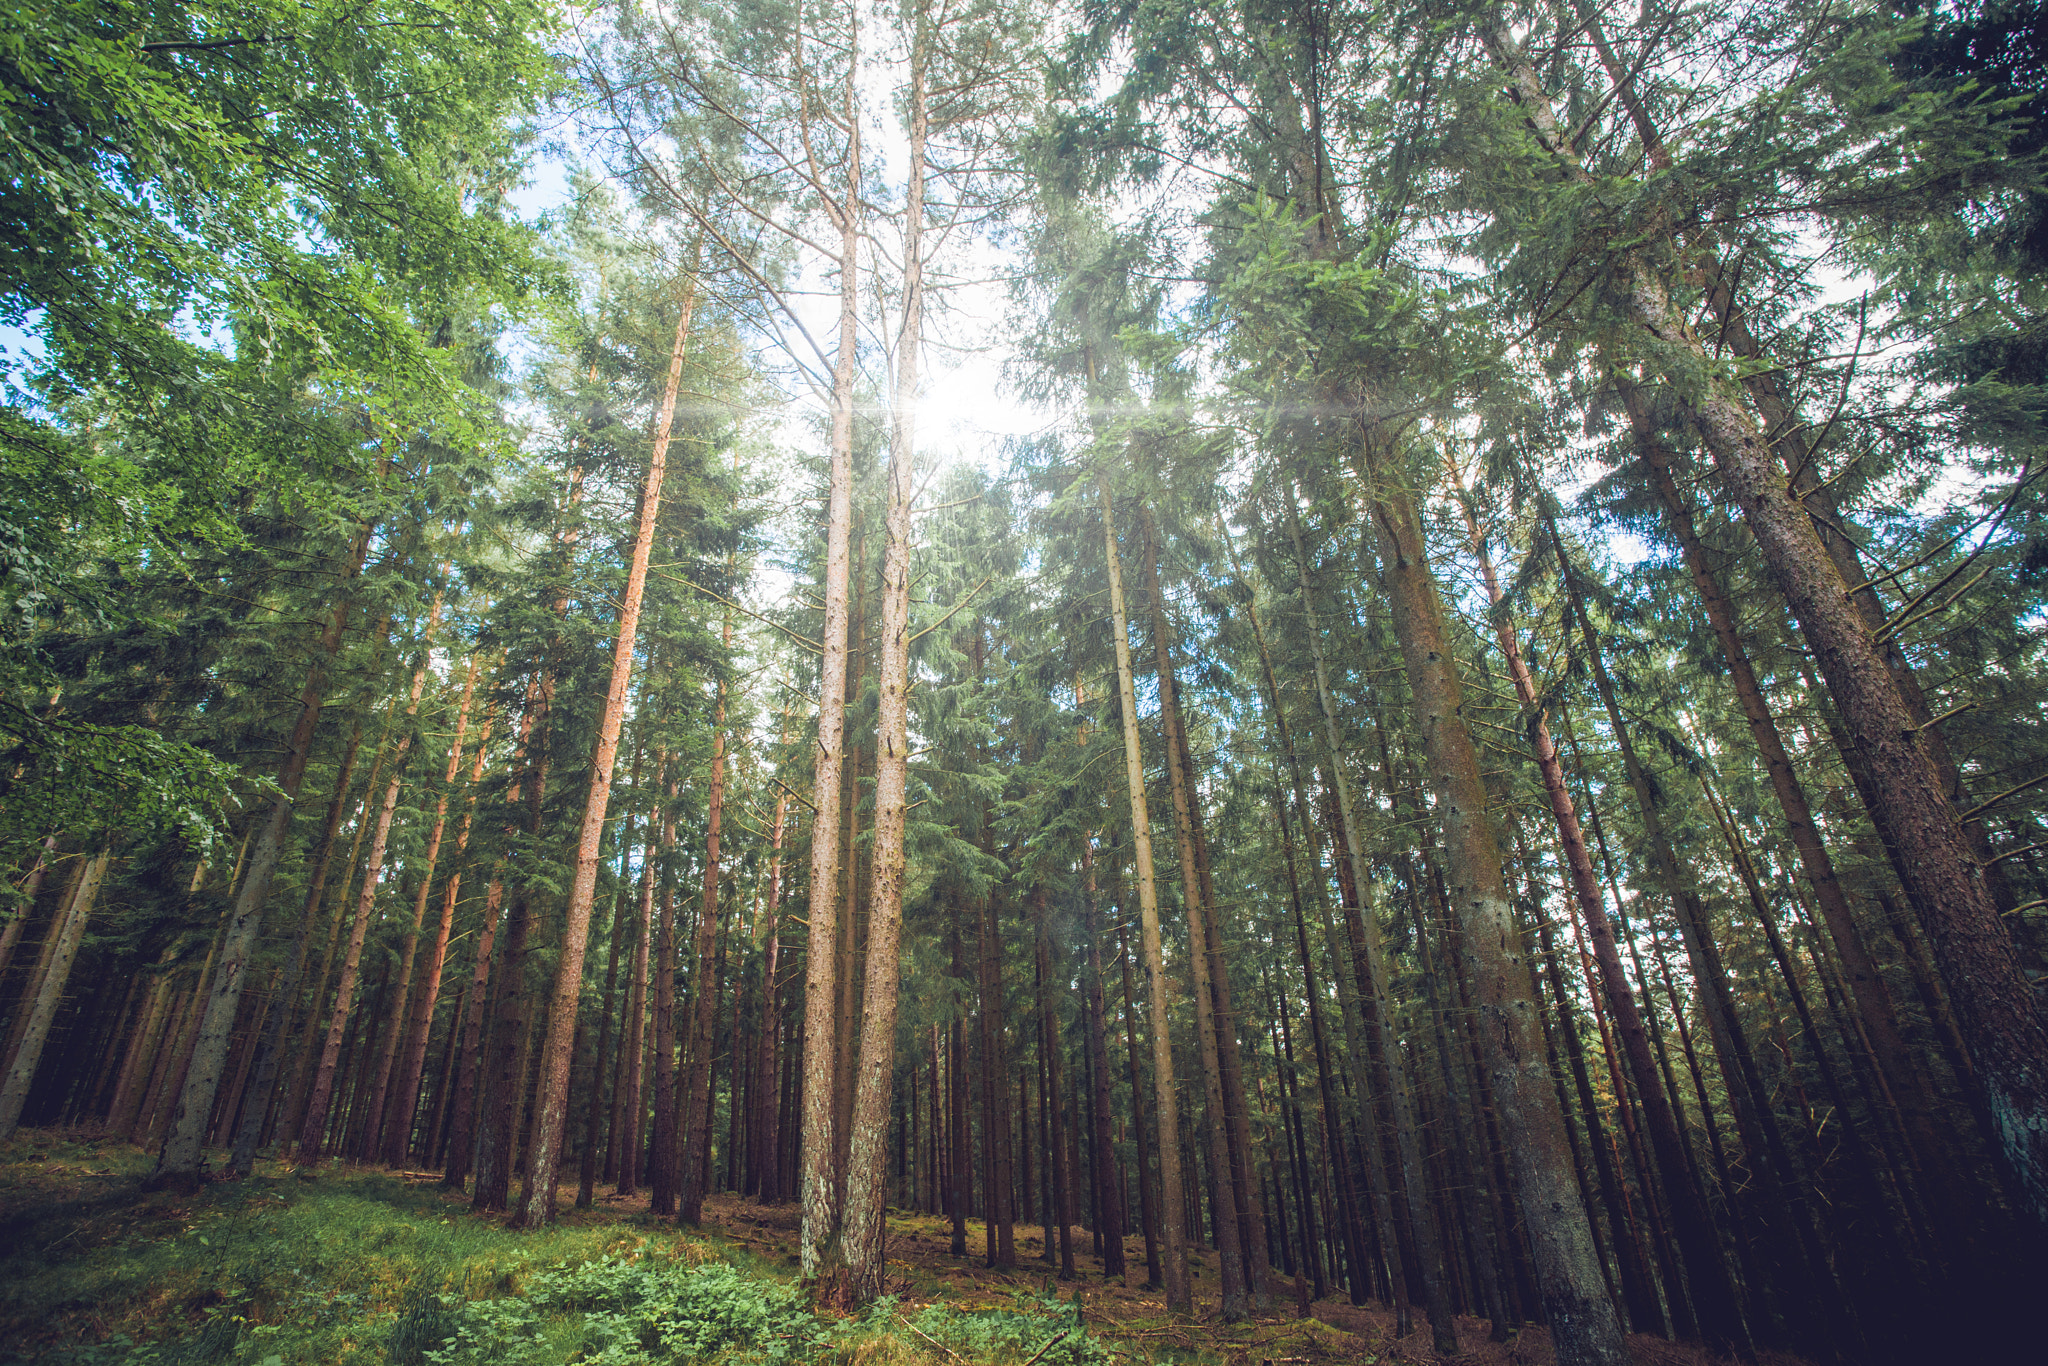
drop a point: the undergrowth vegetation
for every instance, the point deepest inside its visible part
(347, 1266)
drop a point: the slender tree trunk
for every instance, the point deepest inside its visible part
(405, 1097)
(1374, 1010)
(703, 994)
(1109, 1197)
(1201, 962)
(600, 1064)
(551, 1113)
(1179, 1296)
(819, 1143)
(256, 1108)
(313, 1126)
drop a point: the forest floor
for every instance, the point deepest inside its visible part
(332, 1265)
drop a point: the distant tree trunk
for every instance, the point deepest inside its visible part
(1109, 1195)
(256, 1107)
(405, 1096)
(1174, 1267)
(696, 1109)
(1582, 1319)
(1059, 1175)
(766, 1166)
(1148, 1214)
(313, 1127)
(1202, 962)
(466, 1040)
(178, 1163)
(600, 1064)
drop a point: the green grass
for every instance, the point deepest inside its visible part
(352, 1266)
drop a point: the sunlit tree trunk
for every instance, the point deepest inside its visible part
(551, 1108)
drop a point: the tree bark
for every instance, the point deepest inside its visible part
(551, 1111)
(1174, 1268)
(1582, 1319)
(1907, 800)
(66, 932)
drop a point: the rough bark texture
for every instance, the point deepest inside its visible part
(1908, 803)
(1582, 1320)
(66, 930)
(818, 1183)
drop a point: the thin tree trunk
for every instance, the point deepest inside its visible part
(818, 1143)
(696, 1111)
(551, 1113)
(314, 1124)
(1230, 1253)
(66, 931)
(405, 1097)
(1109, 1220)
(1373, 1009)
(1179, 1296)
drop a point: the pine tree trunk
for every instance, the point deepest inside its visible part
(818, 1143)
(1148, 1214)
(1173, 1266)
(468, 1033)
(766, 1165)
(696, 1110)
(256, 1108)
(1373, 1044)
(551, 1111)
(1202, 963)
(1582, 1320)
(1109, 1221)
(404, 1098)
(314, 1124)
(1905, 795)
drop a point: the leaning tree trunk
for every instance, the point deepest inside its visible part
(551, 1107)
(2000, 1021)
(313, 1127)
(67, 929)
(1581, 1317)
(1720, 1317)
